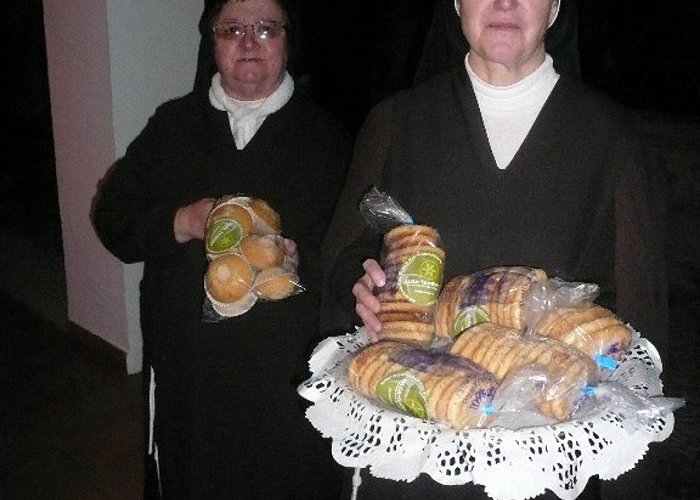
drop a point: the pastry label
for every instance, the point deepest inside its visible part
(468, 317)
(420, 278)
(403, 392)
(223, 235)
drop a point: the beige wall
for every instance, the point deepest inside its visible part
(110, 62)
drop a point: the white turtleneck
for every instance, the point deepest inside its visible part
(246, 117)
(509, 111)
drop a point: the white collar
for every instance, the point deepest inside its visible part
(246, 117)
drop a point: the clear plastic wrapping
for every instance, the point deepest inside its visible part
(609, 431)
(566, 311)
(413, 260)
(427, 384)
(562, 373)
(247, 258)
(495, 294)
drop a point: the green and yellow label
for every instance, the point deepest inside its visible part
(420, 278)
(468, 317)
(223, 235)
(403, 392)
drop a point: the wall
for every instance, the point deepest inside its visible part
(110, 62)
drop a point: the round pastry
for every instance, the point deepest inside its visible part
(226, 225)
(410, 235)
(501, 351)
(412, 331)
(275, 283)
(261, 251)
(234, 211)
(267, 221)
(426, 384)
(229, 278)
(496, 294)
(594, 330)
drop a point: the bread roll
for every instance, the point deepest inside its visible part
(226, 225)
(261, 251)
(275, 283)
(266, 220)
(427, 384)
(229, 278)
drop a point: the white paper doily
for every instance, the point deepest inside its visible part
(561, 457)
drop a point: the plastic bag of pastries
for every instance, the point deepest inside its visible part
(496, 294)
(503, 351)
(427, 384)
(566, 311)
(413, 260)
(247, 261)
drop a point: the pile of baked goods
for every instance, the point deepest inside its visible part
(486, 318)
(428, 384)
(246, 256)
(412, 260)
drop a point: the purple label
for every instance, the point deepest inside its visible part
(430, 361)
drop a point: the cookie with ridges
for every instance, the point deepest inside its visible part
(421, 317)
(444, 308)
(402, 306)
(442, 398)
(417, 231)
(458, 410)
(466, 343)
(403, 254)
(412, 331)
(496, 345)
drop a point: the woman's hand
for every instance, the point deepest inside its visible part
(366, 304)
(191, 220)
(291, 253)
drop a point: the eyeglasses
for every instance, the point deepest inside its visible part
(264, 30)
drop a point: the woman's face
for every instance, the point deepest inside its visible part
(506, 37)
(251, 68)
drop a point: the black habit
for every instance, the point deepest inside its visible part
(571, 202)
(228, 420)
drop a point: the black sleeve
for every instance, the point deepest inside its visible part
(132, 211)
(640, 264)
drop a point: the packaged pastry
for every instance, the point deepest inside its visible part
(247, 258)
(228, 223)
(592, 329)
(228, 283)
(566, 311)
(503, 351)
(497, 295)
(413, 260)
(427, 384)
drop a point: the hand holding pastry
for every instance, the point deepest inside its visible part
(291, 251)
(366, 304)
(191, 220)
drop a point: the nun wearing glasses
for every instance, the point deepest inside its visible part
(514, 164)
(225, 420)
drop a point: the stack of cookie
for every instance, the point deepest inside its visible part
(496, 294)
(502, 351)
(247, 261)
(427, 384)
(594, 330)
(413, 262)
